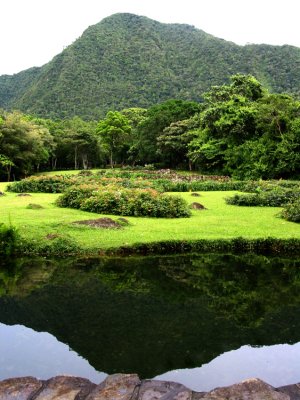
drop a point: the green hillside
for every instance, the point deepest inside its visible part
(132, 61)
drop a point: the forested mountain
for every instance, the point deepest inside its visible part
(132, 61)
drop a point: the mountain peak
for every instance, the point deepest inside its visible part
(127, 60)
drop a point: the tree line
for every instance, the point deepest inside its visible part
(240, 129)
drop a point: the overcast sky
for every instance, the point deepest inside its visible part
(32, 32)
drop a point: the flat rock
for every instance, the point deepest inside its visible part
(19, 388)
(250, 389)
(129, 387)
(116, 387)
(292, 390)
(65, 388)
(163, 390)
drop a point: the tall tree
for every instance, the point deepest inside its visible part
(113, 131)
(172, 144)
(23, 144)
(157, 119)
(79, 139)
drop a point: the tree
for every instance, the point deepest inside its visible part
(24, 145)
(130, 148)
(78, 138)
(113, 131)
(228, 120)
(7, 164)
(172, 144)
(274, 152)
(157, 119)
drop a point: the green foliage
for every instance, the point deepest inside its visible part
(114, 130)
(271, 198)
(42, 184)
(172, 143)
(74, 195)
(268, 245)
(132, 61)
(205, 186)
(24, 145)
(163, 180)
(245, 132)
(134, 202)
(158, 118)
(8, 240)
(58, 246)
(266, 186)
(291, 211)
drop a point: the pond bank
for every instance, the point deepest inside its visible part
(130, 387)
(13, 244)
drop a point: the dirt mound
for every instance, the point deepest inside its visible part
(51, 236)
(100, 223)
(196, 194)
(197, 206)
(33, 206)
(23, 195)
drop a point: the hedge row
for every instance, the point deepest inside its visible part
(65, 246)
(43, 184)
(160, 174)
(59, 183)
(203, 186)
(117, 201)
(275, 198)
(266, 186)
(267, 246)
(291, 212)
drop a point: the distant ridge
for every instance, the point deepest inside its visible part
(132, 61)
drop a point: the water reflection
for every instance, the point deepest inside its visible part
(276, 365)
(157, 314)
(26, 352)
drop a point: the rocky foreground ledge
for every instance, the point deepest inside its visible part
(130, 387)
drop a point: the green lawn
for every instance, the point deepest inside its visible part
(218, 221)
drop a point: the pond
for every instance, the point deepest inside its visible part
(202, 320)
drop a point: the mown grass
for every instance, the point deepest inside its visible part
(219, 221)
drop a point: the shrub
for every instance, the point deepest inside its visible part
(266, 186)
(74, 196)
(196, 186)
(8, 239)
(163, 181)
(120, 201)
(85, 172)
(291, 212)
(243, 200)
(274, 198)
(42, 184)
(51, 246)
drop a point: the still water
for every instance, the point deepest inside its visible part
(201, 320)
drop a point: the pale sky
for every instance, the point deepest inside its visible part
(32, 32)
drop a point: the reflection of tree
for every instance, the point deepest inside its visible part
(242, 288)
(19, 277)
(150, 315)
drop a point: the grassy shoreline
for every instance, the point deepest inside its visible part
(221, 226)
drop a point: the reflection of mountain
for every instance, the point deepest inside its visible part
(39, 354)
(277, 365)
(156, 314)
